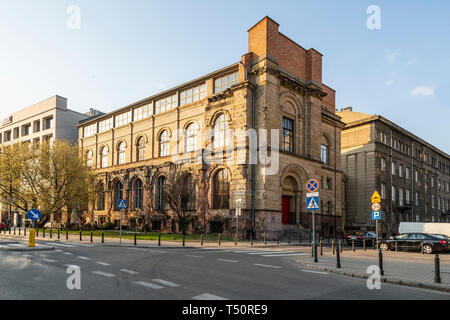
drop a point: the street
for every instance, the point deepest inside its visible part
(175, 273)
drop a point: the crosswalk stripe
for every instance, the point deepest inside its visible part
(266, 265)
(49, 260)
(269, 252)
(208, 296)
(225, 260)
(129, 271)
(60, 245)
(311, 271)
(148, 285)
(102, 263)
(286, 255)
(166, 283)
(84, 258)
(109, 275)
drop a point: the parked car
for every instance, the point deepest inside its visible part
(359, 237)
(413, 241)
(3, 226)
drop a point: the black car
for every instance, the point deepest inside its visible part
(414, 241)
(359, 237)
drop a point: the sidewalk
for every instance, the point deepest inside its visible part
(405, 268)
(15, 246)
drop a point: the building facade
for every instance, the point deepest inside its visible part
(411, 175)
(44, 121)
(207, 127)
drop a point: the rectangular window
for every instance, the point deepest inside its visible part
(288, 135)
(407, 173)
(166, 104)
(400, 171)
(417, 198)
(123, 119)
(393, 168)
(141, 112)
(416, 176)
(408, 197)
(383, 191)
(383, 164)
(105, 125)
(90, 130)
(193, 94)
(393, 194)
(225, 82)
(400, 196)
(48, 122)
(324, 154)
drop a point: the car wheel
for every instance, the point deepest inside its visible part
(427, 249)
(384, 246)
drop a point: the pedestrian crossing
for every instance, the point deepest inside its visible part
(254, 252)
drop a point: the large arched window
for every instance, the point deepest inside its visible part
(160, 183)
(189, 191)
(221, 131)
(100, 197)
(191, 138)
(164, 144)
(138, 195)
(89, 156)
(104, 157)
(121, 153)
(118, 194)
(325, 150)
(221, 199)
(140, 149)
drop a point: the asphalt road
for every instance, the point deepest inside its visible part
(181, 274)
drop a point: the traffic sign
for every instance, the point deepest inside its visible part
(34, 214)
(312, 194)
(312, 185)
(376, 198)
(376, 207)
(122, 204)
(10, 200)
(312, 203)
(376, 215)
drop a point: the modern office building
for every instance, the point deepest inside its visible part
(44, 121)
(411, 175)
(276, 86)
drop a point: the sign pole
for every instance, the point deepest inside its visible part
(121, 211)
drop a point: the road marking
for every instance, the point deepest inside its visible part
(82, 245)
(58, 250)
(109, 275)
(266, 265)
(166, 283)
(148, 285)
(225, 260)
(49, 260)
(60, 245)
(208, 296)
(310, 271)
(84, 258)
(190, 255)
(68, 265)
(102, 263)
(270, 252)
(286, 255)
(67, 253)
(129, 271)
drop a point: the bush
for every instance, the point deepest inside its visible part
(108, 226)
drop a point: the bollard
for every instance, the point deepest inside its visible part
(31, 241)
(14, 230)
(315, 252)
(289, 234)
(340, 246)
(321, 248)
(235, 240)
(353, 245)
(19, 231)
(312, 249)
(184, 239)
(251, 239)
(332, 246)
(135, 239)
(25, 232)
(103, 237)
(159, 240)
(67, 234)
(218, 238)
(364, 244)
(9, 230)
(59, 233)
(338, 258)
(92, 236)
(81, 235)
(51, 233)
(396, 246)
(202, 239)
(278, 239)
(37, 232)
(437, 271)
(380, 261)
(43, 233)
(265, 239)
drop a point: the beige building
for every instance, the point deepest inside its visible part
(44, 121)
(276, 86)
(411, 175)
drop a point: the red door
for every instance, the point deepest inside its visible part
(285, 209)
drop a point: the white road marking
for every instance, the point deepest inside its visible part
(286, 255)
(166, 283)
(190, 255)
(82, 245)
(58, 250)
(68, 265)
(129, 271)
(67, 253)
(270, 252)
(60, 245)
(49, 260)
(102, 263)
(318, 272)
(225, 260)
(109, 275)
(148, 285)
(208, 296)
(266, 265)
(84, 258)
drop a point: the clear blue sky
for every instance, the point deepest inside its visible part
(129, 50)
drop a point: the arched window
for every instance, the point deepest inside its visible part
(164, 144)
(140, 149)
(288, 135)
(121, 153)
(118, 194)
(89, 156)
(138, 195)
(160, 183)
(324, 154)
(104, 157)
(221, 190)
(188, 196)
(100, 197)
(221, 131)
(191, 138)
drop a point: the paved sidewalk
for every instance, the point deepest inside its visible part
(406, 268)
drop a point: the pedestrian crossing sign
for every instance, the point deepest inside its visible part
(312, 203)
(122, 204)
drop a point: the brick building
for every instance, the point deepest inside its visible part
(276, 86)
(411, 175)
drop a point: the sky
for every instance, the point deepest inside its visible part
(119, 52)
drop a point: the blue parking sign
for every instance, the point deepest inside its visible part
(376, 215)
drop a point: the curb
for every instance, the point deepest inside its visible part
(383, 279)
(27, 249)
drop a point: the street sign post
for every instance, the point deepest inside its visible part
(312, 204)
(376, 214)
(34, 215)
(122, 205)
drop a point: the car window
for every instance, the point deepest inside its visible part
(402, 237)
(435, 236)
(417, 236)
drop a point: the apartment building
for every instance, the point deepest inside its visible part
(411, 175)
(276, 86)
